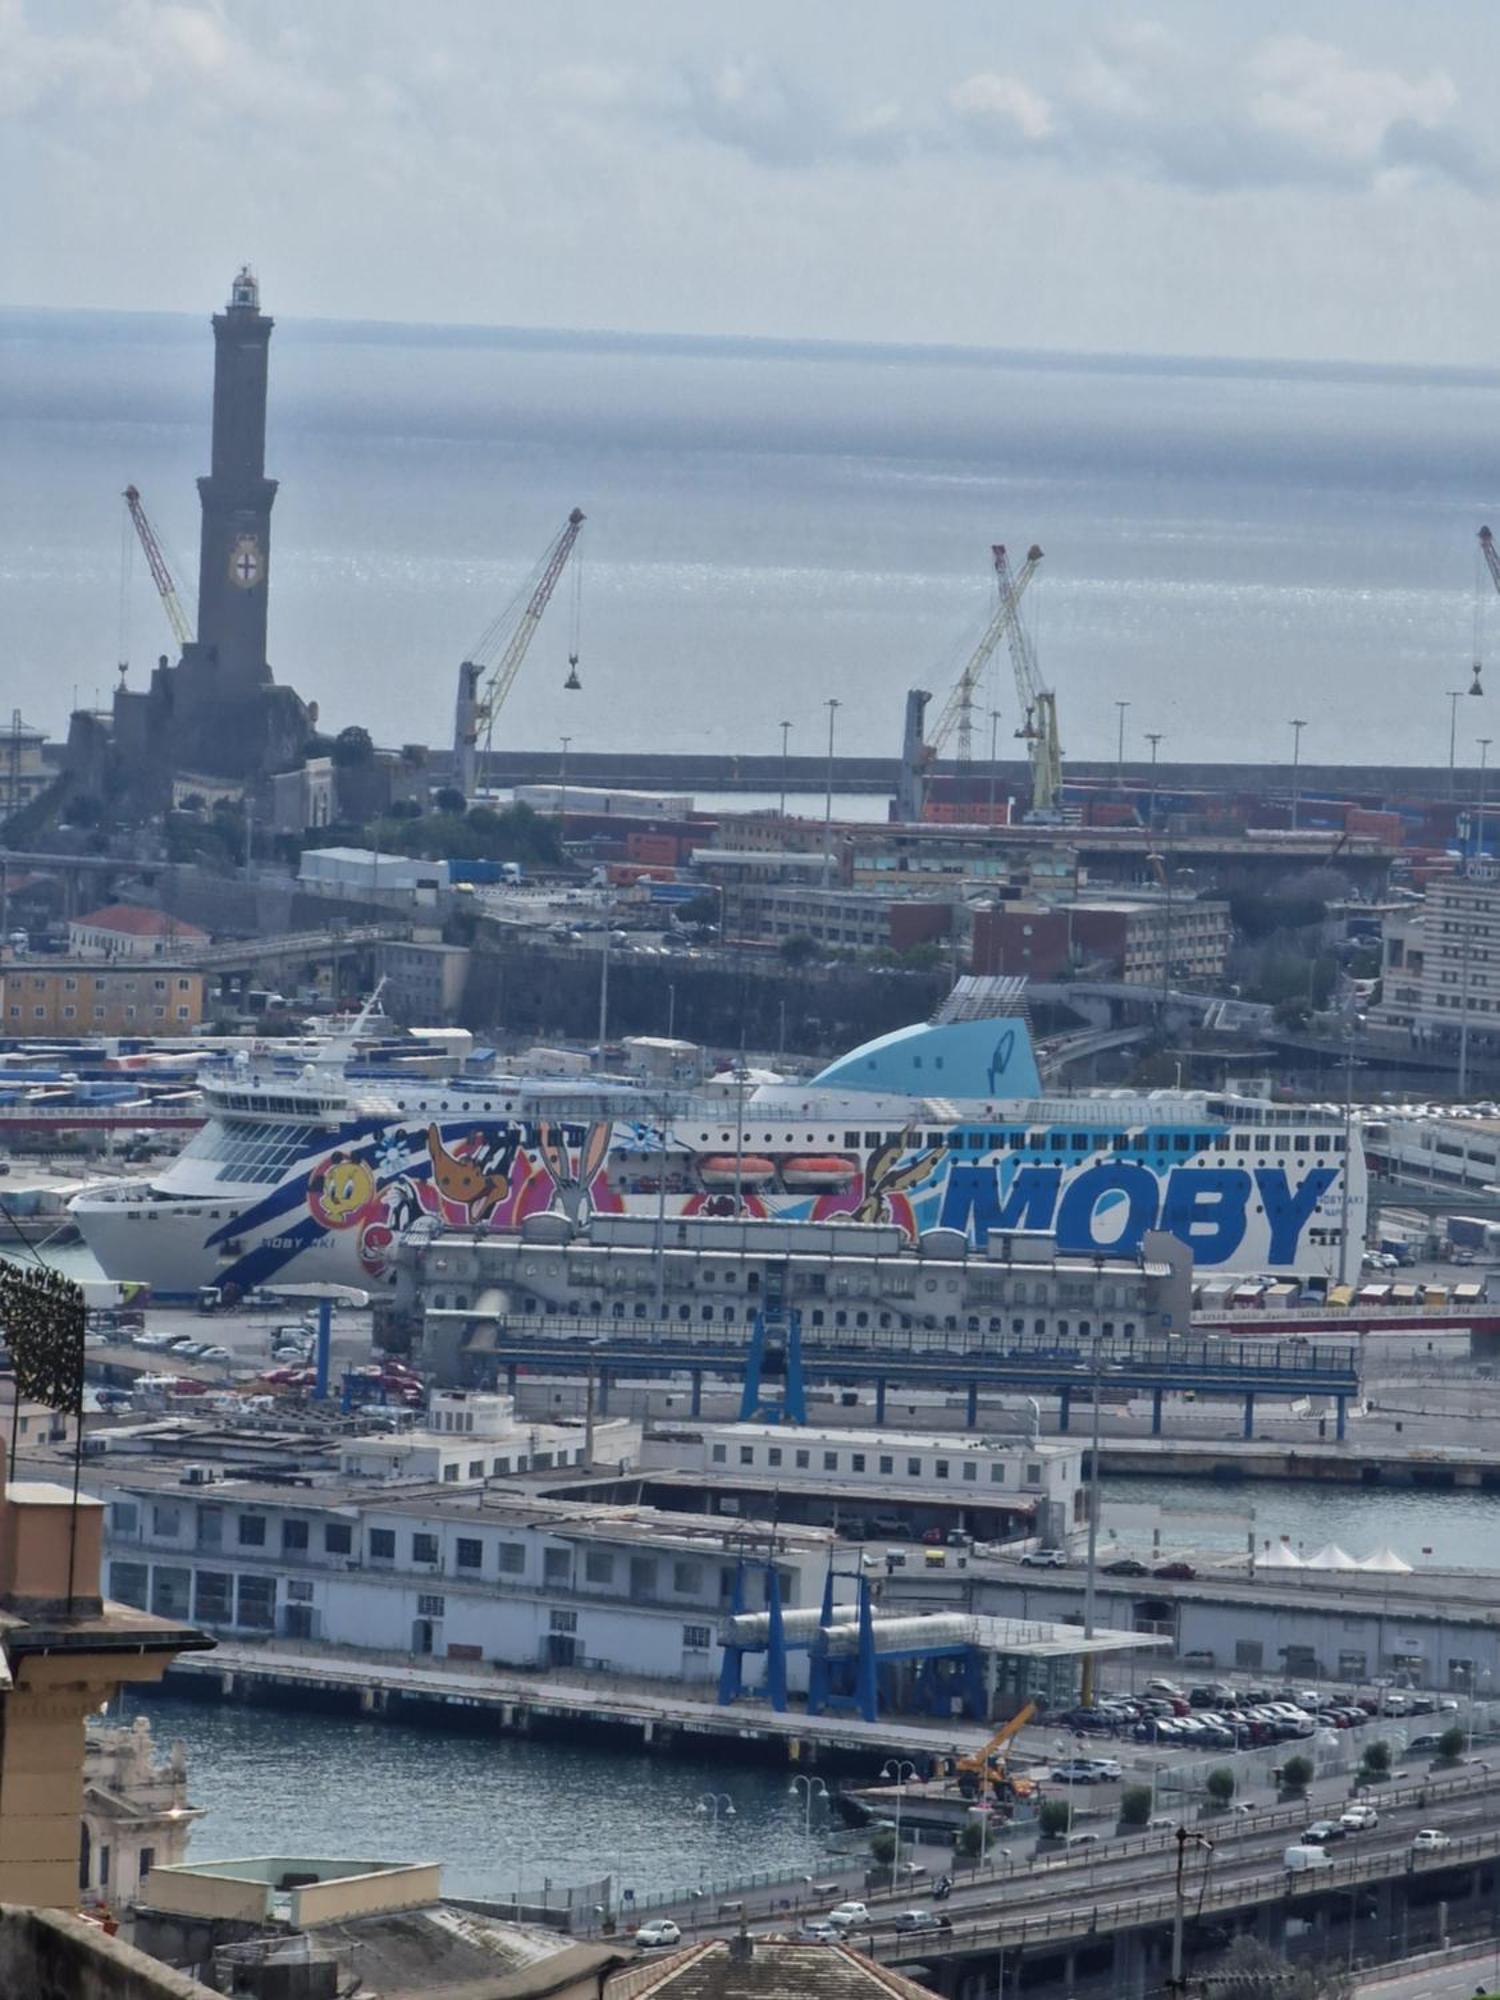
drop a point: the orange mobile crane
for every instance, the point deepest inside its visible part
(986, 1769)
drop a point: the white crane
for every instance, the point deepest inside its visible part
(1038, 704)
(958, 711)
(504, 642)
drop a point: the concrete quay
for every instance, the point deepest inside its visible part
(1437, 1468)
(451, 1694)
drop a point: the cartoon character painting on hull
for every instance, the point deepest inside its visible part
(884, 1195)
(575, 1175)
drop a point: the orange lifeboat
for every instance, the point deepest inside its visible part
(722, 1170)
(818, 1172)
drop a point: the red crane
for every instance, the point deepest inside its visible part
(161, 575)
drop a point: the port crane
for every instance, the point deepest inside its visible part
(161, 574)
(1038, 728)
(958, 711)
(496, 659)
(1492, 564)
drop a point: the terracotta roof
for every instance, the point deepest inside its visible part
(134, 920)
(775, 1969)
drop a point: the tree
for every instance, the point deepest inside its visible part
(1054, 1816)
(1377, 1760)
(969, 1839)
(1135, 1805)
(449, 799)
(352, 746)
(1451, 1744)
(1297, 1773)
(798, 950)
(883, 1845)
(1250, 1970)
(1220, 1785)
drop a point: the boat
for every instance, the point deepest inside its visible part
(315, 1169)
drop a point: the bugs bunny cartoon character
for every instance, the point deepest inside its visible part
(572, 1180)
(885, 1176)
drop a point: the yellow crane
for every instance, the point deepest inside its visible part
(987, 1765)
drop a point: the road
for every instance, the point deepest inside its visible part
(1439, 1977)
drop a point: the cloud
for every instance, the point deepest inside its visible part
(991, 104)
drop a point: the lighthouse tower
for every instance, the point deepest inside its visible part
(235, 551)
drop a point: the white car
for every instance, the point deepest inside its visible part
(1359, 1819)
(1429, 1840)
(1044, 1559)
(847, 1915)
(659, 1935)
(818, 1930)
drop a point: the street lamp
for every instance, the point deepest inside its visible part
(899, 1770)
(716, 1806)
(562, 787)
(1153, 737)
(786, 730)
(1121, 706)
(1299, 723)
(811, 1788)
(833, 705)
(994, 767)
(1474, 1678)
(984, 1831)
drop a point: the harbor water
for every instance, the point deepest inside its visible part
(500, 1813)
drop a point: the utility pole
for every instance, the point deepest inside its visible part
(1153, 737)
(1120, 746)
(562, 788)
(1299, 723)
(833, 705)
(786, 730)
(1484, 758)
(994, 767)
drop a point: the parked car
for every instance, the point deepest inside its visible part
(1044, 1559)
(1429, 1840)
(659, 1935)
(1077, 1771)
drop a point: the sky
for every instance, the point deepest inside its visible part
(1316, 181)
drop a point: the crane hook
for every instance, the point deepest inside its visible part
(572, 683)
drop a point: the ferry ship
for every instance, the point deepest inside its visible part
(314, 1173)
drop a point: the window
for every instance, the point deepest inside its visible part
(687, 1578)
(127, 1583)
(719, 1454)
(512, 1558)
(887, 1465)
(557, 1565)
(429, 1606)
(914, 1468)
(804, 1460)
(563, 1621)
(971, 1470)
(382, 1545)
(299, 1590)
(124, 1517)
(424, 1548)
(257, 1602)
(747, 1454)
(830, 1461)
(468, 1553)
(1033, 1472)
(697, 1638)
(293, 1537)
(148, 1861)
(773, 1454)
(857, 1462)
(643, 1576)
(252, 1531)
(598, 1566)
(213, 1597)
(941, 1468)
(338, 1538)
(997, 1474)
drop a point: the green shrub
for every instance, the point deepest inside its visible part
(1135, 1805)
(883, 1845)
(1220, 1785)
(1451, 1744)
(1377, 1759)
(1297, 1773)
(1054, 1816)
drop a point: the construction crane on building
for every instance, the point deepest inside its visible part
(496, 659)
(161, 574)
(1038, 728)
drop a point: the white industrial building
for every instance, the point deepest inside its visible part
(469, 1438)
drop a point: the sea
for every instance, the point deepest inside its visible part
(772, 525)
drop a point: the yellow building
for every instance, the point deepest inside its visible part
(68, 996)
(62, 1655)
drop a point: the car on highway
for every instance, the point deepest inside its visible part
(1124, 1566)
(659, 1935)
(1322, 1831)
(1429, 1840)
(1175, 1572)
(817, 1930)
(848, 1916)
(1359, 1819)
(921, 1920)
(1044, 1559)
(1077, 1771)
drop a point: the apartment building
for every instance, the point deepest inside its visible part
(1139, 941)
(1441, 963)
(81, 996)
